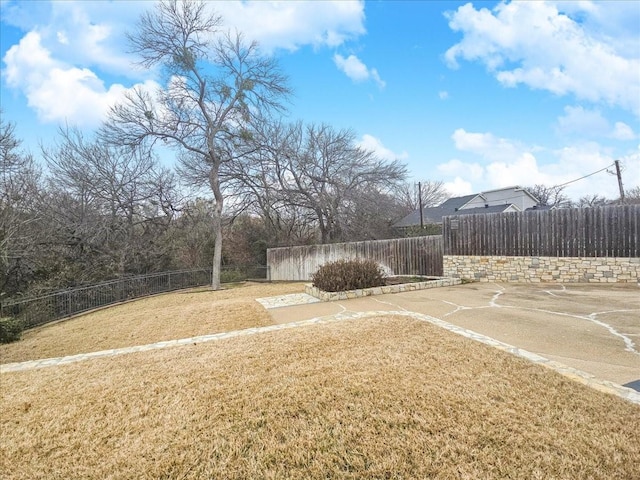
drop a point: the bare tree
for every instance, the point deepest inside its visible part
(316, 170)
(189, 238)
(632, 196)
(109, 202)
(550, 196)
(217, 85)
(594, 200)
(433, 194)
(255, 184)
(19, 212)
(371, 215)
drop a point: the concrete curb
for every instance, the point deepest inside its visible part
(433, 282)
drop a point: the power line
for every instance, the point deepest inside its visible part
(581, 178)
(562, 184)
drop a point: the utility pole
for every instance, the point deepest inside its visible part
(617, 162)
(420, 205)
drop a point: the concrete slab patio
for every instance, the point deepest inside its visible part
(592, 328)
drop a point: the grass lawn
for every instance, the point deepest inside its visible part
(388, 397)
(170, 316)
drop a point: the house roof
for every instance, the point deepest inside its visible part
(457, 202)
(490, 209)
(540, 207)
(453, 206)
(434, 214)
(516, 188)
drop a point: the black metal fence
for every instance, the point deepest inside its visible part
(43, 309)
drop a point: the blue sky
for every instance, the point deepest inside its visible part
(478, 95)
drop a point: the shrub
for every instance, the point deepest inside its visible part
(232, 276)
(348, 275)
(10, 330)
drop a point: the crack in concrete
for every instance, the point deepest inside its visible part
(550, 292)
(395, 305)
(459, 308)
(629, 343)
(494, 299)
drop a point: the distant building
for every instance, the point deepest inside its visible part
(510, 199)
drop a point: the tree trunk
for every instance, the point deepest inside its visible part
(214, 182)
(324, 231)
(217, 249)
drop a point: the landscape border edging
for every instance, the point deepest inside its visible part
(367, 292)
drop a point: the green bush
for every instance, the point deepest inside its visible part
(348, 275)
(10, 330)
(232, 276)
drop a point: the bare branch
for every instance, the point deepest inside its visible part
(217, 87)
(176, 34)
(315, 171)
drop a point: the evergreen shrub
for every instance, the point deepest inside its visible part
(348, 275)
(232, 276)
(10, 330)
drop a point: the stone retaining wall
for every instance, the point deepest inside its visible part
(366, 292)
(543, 269)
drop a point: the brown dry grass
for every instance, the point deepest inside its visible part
(374, 398)
(154, 319)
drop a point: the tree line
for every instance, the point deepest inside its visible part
(90, 210)
(103, 205)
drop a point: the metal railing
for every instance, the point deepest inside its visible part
(43, 309)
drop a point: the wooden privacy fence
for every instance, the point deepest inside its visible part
(403, 256)
(573, 232)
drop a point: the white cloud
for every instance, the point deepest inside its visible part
(290, 25)
(57, 91)
(615, 22)
(96, 30)
(583, 121)
(71, 47)
(356, 70)
(352, 67)
(589, 157)
(520, 171)
(485, 144)
(443, 95)
(496, 162)
(622, 131)
(459, 187)
(376, 78)
(371, 143)
(532, 43)
(631, 169)
(457, 168)
(62, 38)
(591, 124)
(90, 34)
